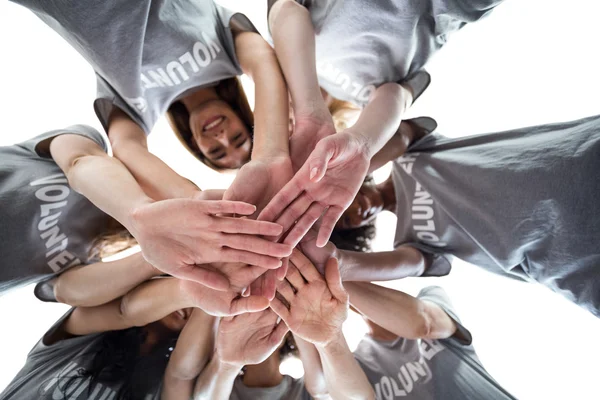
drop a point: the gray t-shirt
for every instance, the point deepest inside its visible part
(146, 53)
(362, 44)
(55, 371)
(288, 389)
(46, 226)
(425, 368)
(519, 203)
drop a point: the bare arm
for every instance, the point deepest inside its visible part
(99, 283)
(194, 348)
(400, 313)
(97, 176)
(147, 303)
(314, 377)
(294, 40)
(345, 379)
(129, 145)
(405, 261)
(216, 381)
(271, 114)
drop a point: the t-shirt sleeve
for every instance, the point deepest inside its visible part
(437, 295)
(438, 263)
(35, 144)
(231, 22)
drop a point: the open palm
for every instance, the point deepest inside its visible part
(325, 186)
(249, 338)
(316, 307)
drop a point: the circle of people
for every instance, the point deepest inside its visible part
(229, 283)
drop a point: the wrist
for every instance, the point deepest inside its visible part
(227, 367)
(135, 215)
(344, 263)
(335, 344)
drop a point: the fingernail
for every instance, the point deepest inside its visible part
(313, 173)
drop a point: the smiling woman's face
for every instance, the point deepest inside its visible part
(365, 207)
(221, 135)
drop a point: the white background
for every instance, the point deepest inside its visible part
(531, 62)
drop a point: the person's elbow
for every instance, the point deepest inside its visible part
(281, 9)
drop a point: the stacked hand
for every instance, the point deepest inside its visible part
(312, 306)
(178, 245)
(249, 338)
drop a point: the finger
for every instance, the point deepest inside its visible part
(248, 304)
(226, 207)
(330, 218)
(294, 212)
(304, 224)
(283, 199)
(318, 160)
(282, 271)
(334, 280)
(269, 284)
(264, 286)
(256, 245)
(305, 266)
(286, 291)
(247, 226)
(211, 279)
(280, 309)
(278, 334)
(294, 278)
(233, 255)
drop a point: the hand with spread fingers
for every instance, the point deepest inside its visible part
(312, 306)
(323, 187)
(249, 338)
(196, 233)
(220, 303)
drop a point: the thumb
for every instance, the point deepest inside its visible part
(319, 159)
(334, 280)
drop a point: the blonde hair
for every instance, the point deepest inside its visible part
(229, 90)
(114, 240)
(344, 113)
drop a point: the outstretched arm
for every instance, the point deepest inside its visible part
(195, 234)
(194, 349)
(400, 313)
(314, 377)
(317, 308)
(156, 299)
(129, 145)
(99, 283)
(330, 178)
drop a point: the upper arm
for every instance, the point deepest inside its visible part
(274, 7)
(67, 149)
(122, 130)
(253, 51)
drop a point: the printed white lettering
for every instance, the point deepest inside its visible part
(58, 178)
(175, 66)
(61, 260)
(160, 77)
(187, 58)
(49, 221)
(201, 54)
(45, 193)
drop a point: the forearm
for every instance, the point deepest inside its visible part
(400, 313)
(107, 183)
(394, 148)
(156, 178)
(271, 113)
(147, 303)
(216, 381)
(403, 262)
(195, 346)
(99, 283)
(294, 40)
(314, 377)
(345, 379)
(381, 118)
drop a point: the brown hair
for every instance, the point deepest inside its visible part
(114, 240)
(229, 90)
